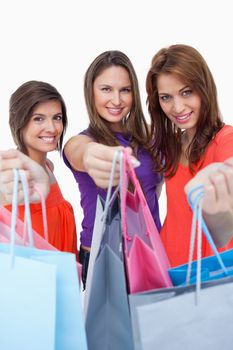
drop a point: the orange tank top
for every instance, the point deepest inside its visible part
(60, 217)
(176, 229)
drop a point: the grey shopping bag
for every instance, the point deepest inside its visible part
(170, 319)
(95, 246)
(189, 317)
(108, 323)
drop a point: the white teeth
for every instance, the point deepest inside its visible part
(183, 117)
(48, 139)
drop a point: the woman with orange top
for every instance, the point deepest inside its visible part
(188, 134)
(38, 121)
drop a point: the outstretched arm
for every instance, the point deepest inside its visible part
(94, 158)
(217, 179)
(36, 176)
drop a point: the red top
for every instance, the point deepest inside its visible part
(60, 218)
(175, 232)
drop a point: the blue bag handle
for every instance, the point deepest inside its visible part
(19, 175)
(197, 193)
(199, 190)
(109, 196)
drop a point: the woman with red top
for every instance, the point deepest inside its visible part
(38, 121)
(188, 134)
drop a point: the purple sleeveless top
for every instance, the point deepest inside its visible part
(148, 178)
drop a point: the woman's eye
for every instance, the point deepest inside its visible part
(126, 90)
(38, 119)
(106, 89)
(58, 117)
(187, 92)
(165, 98)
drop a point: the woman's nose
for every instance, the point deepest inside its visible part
(116, 99)
(178, 105)
(50, 126)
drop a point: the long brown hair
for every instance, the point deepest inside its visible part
(190, 67)
(22, 103)
(135, 124)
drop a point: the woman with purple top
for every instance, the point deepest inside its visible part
(116, 120)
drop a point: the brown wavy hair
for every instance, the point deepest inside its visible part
(190, 67)
(135, 124)
(22, 103)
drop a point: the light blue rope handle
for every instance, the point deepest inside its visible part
(14, 215)
(27, 206)
(192, 235)
(199, 190)
(109, 199)
(19, 175)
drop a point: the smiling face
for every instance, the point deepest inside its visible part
(179, 102)
(44, 129)
(113, 96)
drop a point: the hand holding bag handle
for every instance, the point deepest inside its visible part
(195, 197)
(21, 237)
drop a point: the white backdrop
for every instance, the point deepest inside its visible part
(56, 40)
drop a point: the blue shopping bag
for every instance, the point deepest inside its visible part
(210, 269)
(68, 328)
(27, 298)
(27, 304)
(216, 266)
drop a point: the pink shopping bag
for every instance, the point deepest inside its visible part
(145, 257)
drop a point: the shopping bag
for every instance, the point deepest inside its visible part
(95, 246)
(69, 327)
(145, 257)
(197, 316)
(98, 230)
(21, 237)
(108, 323)
(27, 300)
(216, 266)
(210, 269)
(168, 318)
(107, 320)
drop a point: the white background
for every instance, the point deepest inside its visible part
(55, 41)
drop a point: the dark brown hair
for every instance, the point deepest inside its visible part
(190, 67)
(22, 103)
(135, 124)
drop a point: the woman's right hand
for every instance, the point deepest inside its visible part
(35, 174)
(94, 158)
(97, 160)
(217, 179)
